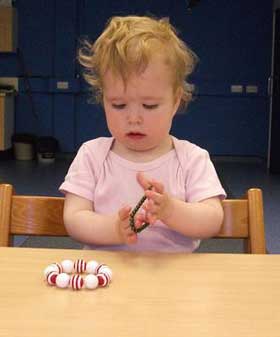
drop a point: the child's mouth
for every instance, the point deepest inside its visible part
(135, 135)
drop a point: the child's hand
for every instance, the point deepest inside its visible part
(158, 203)
(126, 234)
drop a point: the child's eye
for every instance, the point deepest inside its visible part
(118, 106)
(150, 106)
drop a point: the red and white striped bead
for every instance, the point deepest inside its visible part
(80, 266)
(103, 279)
(51, 278)
(59, 266)
(102, 265)
(104, 269)
(53, 267)
(76, 282)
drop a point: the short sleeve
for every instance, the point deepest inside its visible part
(81, 176)
(202, 181)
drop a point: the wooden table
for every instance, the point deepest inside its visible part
(216, 295)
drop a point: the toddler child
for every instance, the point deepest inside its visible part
(137, 69)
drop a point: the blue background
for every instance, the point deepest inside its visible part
(232, 38)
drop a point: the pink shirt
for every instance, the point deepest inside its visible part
(109, 181)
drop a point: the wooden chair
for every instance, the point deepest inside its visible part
(42, 215)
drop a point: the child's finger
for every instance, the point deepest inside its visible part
(143, 181)
(154, 198)
(124, 212)
(139, 220)
(141, 217)
(152, 218)
(131, 238)
(157, 186)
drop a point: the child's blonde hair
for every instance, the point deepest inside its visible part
(127, 45)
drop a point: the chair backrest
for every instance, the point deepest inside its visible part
(29, 215)
(244, 219)
(43, 215)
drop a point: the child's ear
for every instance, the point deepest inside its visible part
(177, 99)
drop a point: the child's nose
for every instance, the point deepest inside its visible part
(134, 116)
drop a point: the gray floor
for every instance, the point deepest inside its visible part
(237, 175)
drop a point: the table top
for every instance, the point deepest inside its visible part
(194, 295)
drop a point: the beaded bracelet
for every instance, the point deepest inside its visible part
(132, 215)
(67, 274)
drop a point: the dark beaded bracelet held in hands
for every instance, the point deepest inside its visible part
(133, 213)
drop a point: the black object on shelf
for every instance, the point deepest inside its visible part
(46, 149)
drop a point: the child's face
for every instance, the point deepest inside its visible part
(139, 115)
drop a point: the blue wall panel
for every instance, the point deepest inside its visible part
(33, 85)
(64, 117)
(244, 132)
(96, 14)
(8, 65)
(26, 121)
(40, 123)
(36, 23)
(65, 38)
(231, 37)
(90, 121)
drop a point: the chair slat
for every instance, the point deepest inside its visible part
(6, 192)
(235, 224)
(256, 221)
(33, 215)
